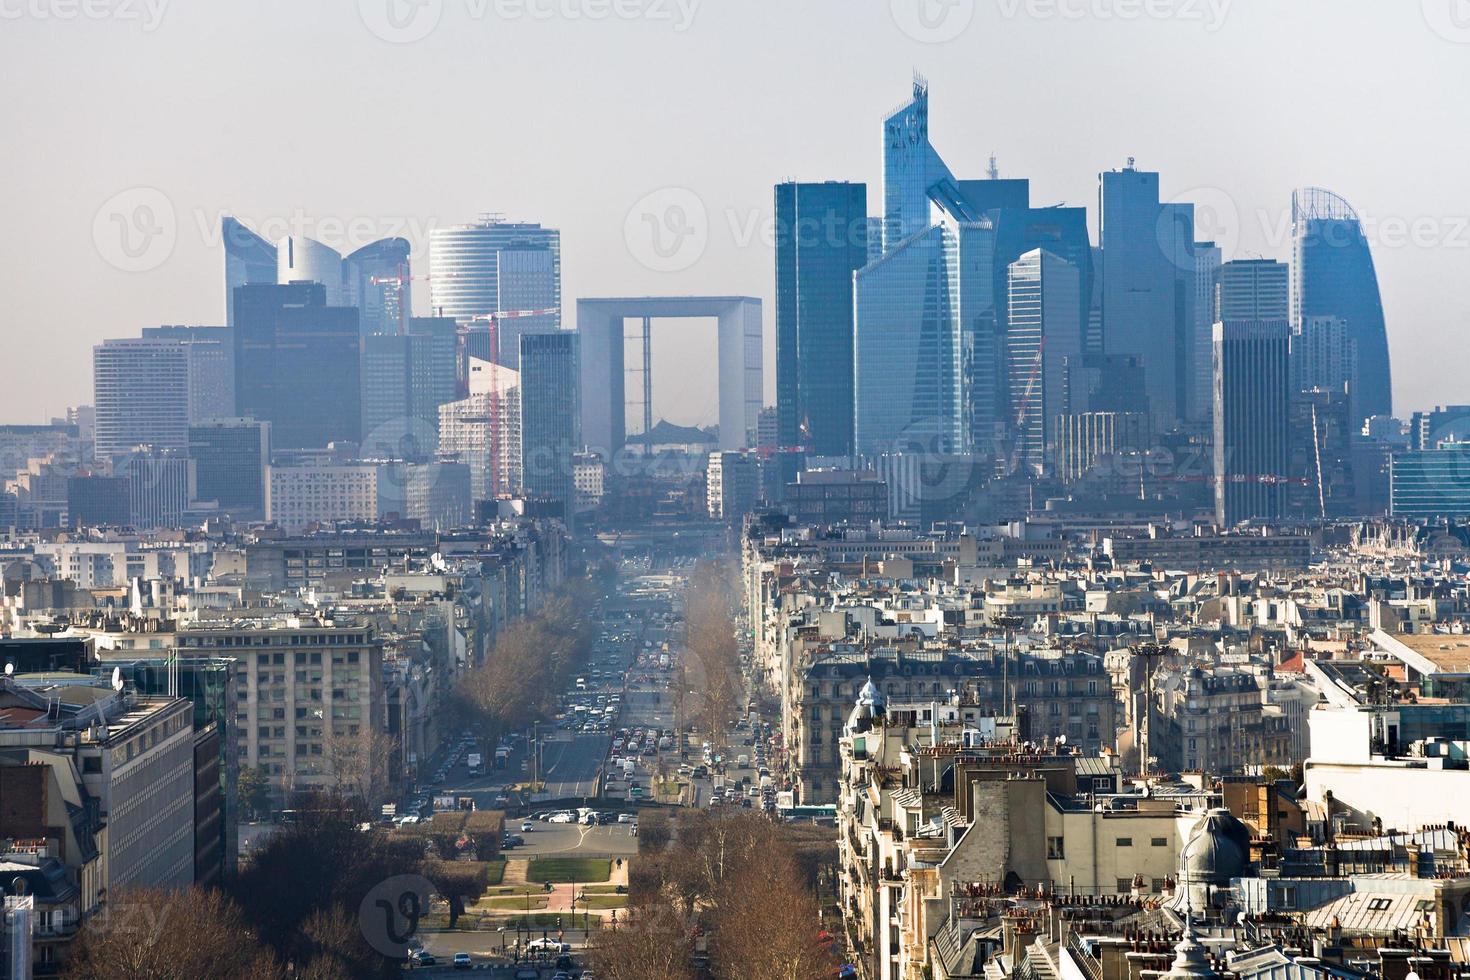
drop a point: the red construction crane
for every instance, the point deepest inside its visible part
(493, 321)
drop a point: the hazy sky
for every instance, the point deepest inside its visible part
(349, 120)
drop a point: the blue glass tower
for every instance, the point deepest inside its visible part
(248, 258)
(1333, 276)
(821, 240)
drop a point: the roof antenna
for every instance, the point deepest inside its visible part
(993, 171)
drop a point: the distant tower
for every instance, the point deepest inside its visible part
(1252, 414)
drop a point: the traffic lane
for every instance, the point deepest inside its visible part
(570, 767)
(547, 839)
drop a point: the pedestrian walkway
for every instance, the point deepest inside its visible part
(516, 870)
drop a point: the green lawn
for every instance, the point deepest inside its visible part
(495, 871)
(569, 869)
(605, 902)
(548, 920)
(513, 903)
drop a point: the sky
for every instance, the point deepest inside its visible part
(651, 132)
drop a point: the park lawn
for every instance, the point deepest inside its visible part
(495, 871)
(606, 901)
(569, 869)
(499, 890)
(545, 920)
(600, 889)
(512, 903)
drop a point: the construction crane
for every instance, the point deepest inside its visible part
(401, 281)
(493, 322)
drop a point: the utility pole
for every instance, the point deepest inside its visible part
(1009, 624)
(535, 756)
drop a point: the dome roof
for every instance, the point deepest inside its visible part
(871, 705)
(1218, 850)
(870, 695)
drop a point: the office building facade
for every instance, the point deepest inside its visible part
(821, 240)
(1334, 276)
(1042, 329)
(249, 258)
(549, 413)
(297, 364)
(302, 259)
(1252, 406)
(377, 280)
(231, 458)
(140, 387)
(496, 266)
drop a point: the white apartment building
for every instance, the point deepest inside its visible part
(298, 496)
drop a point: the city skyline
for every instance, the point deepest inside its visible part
(1238, 166)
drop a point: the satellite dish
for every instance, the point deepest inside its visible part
(117, 681)
(9, 670)
(1061, 740)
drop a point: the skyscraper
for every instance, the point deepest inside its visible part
(405, 378)
(821, 240)
(301, 259)
(1200, 350)
(297, 364)
(1143, 282)
(231, 458)
(140, 387)
(908, 350)
(1333, 275)
(483, 431)
(383, 305)
(248, 258)
(211, 356)
(1043, 329)
(1324, 357)
(549, 413)
(160, 483)
(1253, 289)
(496, 266)
(1252, 416)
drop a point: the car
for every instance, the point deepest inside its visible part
(626, 818)
(462, 961)
(527, 826)
(528, 973)
(563, 817)
(425, 958)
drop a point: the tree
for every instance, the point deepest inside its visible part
(159, 934)
(648, 943)
(457, 882)
(362, 765)
(774, 937)
(253, 788)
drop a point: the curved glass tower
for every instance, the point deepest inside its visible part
(384, 305)
(301, 259)
(248, 258)
(1333, 276)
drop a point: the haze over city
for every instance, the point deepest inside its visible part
(299, 118)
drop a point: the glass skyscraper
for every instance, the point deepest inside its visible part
(1252, 419)
(1043, 330)
(248, 258)
(1333, 276)
(821, 240)
(496, 266)
(297, 364)
(909, 348)
(383, 306)
(549, 413)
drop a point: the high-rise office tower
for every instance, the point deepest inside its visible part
(211, 356)
(1333, 275)
(1253, 289)
(161, 485)
(248, 258)
(496, 266)
(1042, 330)
(1148, 281)
(1252, 419)
(1200, 350)
(297, 364)
(821, 240)
(301, 259)
(483, 431)
(908, 350)
(549, 413)
(1445, 423)
(405, 378)
(1324, 357)
(378, 283)
(231, 459)
(140, 387)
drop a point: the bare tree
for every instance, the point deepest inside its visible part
(158, 934)
(649, 943)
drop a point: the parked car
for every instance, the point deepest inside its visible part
(462, 961)
(527, 826)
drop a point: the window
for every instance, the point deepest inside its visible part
(1125, 842)
(1160, 842)
(1055, 849)
(1378, 904)
(1125, 885)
